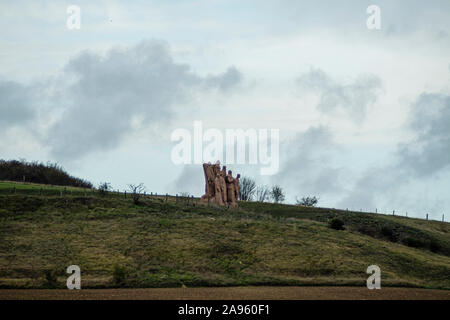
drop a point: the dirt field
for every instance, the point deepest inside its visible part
(231, 293)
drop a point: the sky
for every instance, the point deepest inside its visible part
(363, 114)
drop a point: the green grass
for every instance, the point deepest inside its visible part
(165, 244)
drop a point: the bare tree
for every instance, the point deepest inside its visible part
(103, 188)
(263, 193)
(248, 188)
(136, 191)
(308, 201)
(277, 194)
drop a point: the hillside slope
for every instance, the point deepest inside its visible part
(164, 244)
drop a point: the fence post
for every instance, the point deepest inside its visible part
(427, 216)
(125, 194)
(443, 218)
(376, 210)
(166, 197)
(406, 213)
(393, 212)
(176, 198)
(192, 197)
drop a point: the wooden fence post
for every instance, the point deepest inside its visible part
(192, 197)
(125, 194)
(166, 197)
(176, 198)
(427, 216)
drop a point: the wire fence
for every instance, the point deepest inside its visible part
(184, 199)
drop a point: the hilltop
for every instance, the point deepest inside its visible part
(169, 242)
(38, 172)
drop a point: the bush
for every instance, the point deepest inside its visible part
(51, 278)
(336, 224)
(435, 246)
(413, 242)
(277, 194)
(389, 233)
(119, 275)
(308, 201)
(103, 188)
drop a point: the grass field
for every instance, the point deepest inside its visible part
(171, 243)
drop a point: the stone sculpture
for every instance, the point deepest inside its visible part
(220, 188)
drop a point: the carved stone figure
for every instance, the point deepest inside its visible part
(220, 188)
(237, 188)
(230, 190)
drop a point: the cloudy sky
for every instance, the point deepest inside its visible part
(364, 115)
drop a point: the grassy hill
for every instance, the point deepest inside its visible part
(161, 243)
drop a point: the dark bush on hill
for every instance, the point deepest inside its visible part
(389, 233)
(38, 172)
(120, 274)
(336, 224)
(414, 242)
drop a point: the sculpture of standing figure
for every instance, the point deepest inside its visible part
(220, 188)
(223, 175)
(218, 197)
(237, 188)
(230, 190)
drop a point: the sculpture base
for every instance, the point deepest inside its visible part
(213, 201)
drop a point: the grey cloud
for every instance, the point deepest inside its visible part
(141, 81)
(421, 158)
(190, 180)
(225, 81)
(373, 184)
(430, 151)
(355, 98)
(16, 104)
(399, 17)
(305, 163)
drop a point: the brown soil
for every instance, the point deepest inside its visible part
(229, 293)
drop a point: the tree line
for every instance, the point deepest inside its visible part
(38, 172)
(251, 192)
